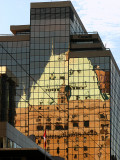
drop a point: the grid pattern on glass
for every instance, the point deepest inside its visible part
(49, 66)
(14, 80)
(115, 117)
(70, 98)
(89, 108)
(75, 26)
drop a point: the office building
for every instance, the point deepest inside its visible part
(13, 144)
(16, 146)
(66, 84)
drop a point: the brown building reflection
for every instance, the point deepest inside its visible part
(103, 78)
(80, 127)
(69, 84)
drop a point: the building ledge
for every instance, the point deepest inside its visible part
(19, 28)
(14, 38)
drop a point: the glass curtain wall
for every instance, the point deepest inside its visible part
(49, 96)
(15, 56)
(115, 117)
(75, 26)
(89, 108)
(69, 98)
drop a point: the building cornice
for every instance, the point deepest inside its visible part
(14, 38)
(19, 28)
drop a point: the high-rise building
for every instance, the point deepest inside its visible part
(66, 84)
(13, 144)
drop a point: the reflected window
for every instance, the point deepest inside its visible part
(39, 128)
(86, 123)
(66, 141)
(59, 118)
(102, 116)
(71, 72)
(76, 148)
(77, 97)
(75, 156)
(48, 141)
(52, 76)
(66, 150)
(48, 119)
(57, 141)
(85, 155)
(74, 115)
(76, 106)
(75, 124)
(85, 148)
(62, 100)
(85, 139)
(57, 108)
(66, 127)
(102, 137)
(59, 127)
(48, 127)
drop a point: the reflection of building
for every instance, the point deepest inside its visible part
(13, 144)
(103, 78)
(67, 84)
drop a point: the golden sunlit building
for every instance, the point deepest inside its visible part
(68, 84)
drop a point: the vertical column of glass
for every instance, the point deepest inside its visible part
(49, 85)
(75, 26)
(89, 105)
(15, 56)
(115, 112)
(21, 58)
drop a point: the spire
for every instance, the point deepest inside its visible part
(23, 102)
(24, 89)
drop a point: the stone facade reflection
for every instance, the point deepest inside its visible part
(77, 118)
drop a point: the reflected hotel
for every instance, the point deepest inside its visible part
(68, 84)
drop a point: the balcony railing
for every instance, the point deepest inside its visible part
(6, 35)
(82, 33)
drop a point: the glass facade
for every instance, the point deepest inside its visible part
(75, 26)
(7, 143)
(115, 118)
(74, 99)
(50, 90)
(49, 40)
(89, 108)
(15, 56)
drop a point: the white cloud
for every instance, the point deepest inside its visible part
(102, 16)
